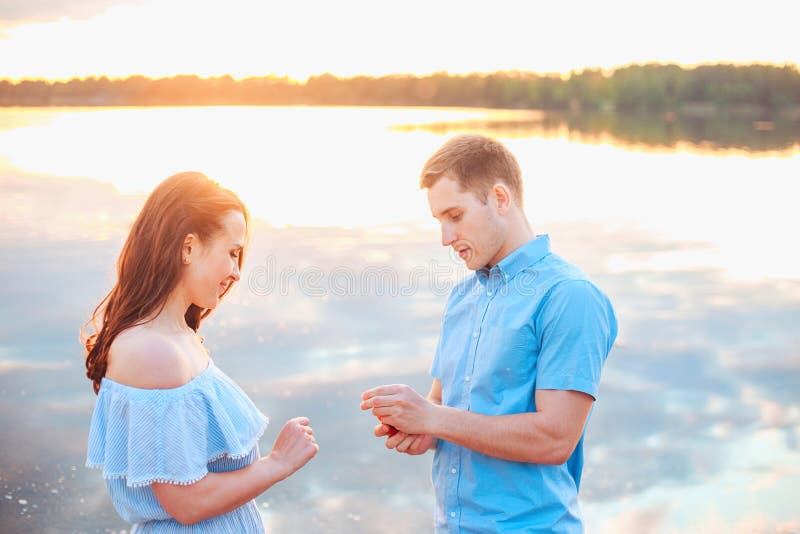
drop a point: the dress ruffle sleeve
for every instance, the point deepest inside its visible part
(170, 435)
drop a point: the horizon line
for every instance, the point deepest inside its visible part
(562, 74)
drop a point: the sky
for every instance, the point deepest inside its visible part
(57, 39)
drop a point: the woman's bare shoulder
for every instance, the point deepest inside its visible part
(142, 358)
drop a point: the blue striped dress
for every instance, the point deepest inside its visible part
(178, 435)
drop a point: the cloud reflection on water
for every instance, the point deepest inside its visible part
(706, 368)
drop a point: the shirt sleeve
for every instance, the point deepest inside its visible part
(147, 436)
(576, 328)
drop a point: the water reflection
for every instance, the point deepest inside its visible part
(709, 133)
(698, 420)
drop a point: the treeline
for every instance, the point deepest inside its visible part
(747, 89)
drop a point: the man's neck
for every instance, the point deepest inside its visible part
(519, 233)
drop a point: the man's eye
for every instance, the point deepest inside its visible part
(455, 217)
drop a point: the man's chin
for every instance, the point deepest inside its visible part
(473, 265)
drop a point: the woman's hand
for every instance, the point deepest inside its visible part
(294, 446)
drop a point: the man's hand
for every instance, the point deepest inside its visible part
(401, 407)
(413, 444)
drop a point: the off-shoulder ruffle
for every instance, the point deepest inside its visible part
(170, 435)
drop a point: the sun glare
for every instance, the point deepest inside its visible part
(245, 38)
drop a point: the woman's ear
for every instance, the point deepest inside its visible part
(189, 247)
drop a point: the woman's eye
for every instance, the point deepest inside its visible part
(456, 217)
(234, 254)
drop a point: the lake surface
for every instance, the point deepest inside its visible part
(697, 425)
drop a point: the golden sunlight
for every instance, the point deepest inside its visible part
(245, 38)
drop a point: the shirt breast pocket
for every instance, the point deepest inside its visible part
(505, 364)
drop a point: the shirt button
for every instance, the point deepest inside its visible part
(474, 335)
(489, 293)
(452, 514)
(453, 470)
(466, 378)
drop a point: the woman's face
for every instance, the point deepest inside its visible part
(214, 263)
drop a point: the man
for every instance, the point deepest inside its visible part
(518, 363)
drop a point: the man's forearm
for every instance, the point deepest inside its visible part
(524, 437)
(547, 436)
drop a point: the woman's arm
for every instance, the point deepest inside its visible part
(144, 360)
(220, 493)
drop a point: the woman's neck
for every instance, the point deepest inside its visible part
(172, 317)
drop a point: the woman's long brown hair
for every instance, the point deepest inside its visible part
(149, 265)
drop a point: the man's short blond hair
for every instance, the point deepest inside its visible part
(477, 163)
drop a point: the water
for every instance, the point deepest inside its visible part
(697, 426)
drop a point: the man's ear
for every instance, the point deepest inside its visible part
(502, 197)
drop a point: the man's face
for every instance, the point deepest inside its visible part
(473, 228)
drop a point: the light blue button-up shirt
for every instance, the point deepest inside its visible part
(533, 321)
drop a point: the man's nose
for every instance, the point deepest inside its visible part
(448, 235)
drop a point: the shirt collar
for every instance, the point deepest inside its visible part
(519, 259)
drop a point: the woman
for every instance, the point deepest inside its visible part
(177, 439)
